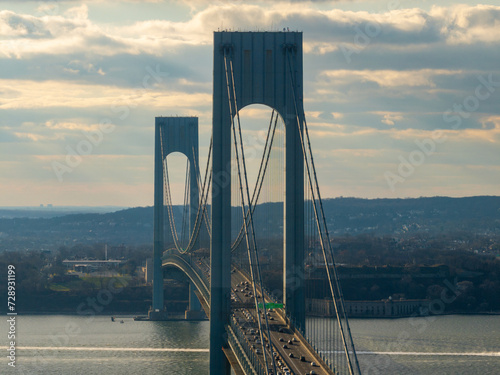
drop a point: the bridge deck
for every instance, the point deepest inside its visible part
(293, 353)
(233, 361)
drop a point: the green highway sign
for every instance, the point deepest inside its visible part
(271, 305)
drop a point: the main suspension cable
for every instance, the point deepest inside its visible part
(201, 207)
(187, 202)
(201, 189)
(250, 224)
(333, 281)
(201, 212)
(250, 211)
(166, 194)
(260, 176)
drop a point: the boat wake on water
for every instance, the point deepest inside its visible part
(93, 349)
(465, 354)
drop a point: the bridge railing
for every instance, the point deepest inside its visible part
(270, 295)
(325, 344)
(195, 262)
(202, 268)
(242, 349)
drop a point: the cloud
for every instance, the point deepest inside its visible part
(390, 118)
(64, 70)
(387, 78)
(72, 31)
(464, 24)
(54, 94)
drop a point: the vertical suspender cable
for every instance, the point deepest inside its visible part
(252, 228)
(260, 176)
(202, 207)
(167, 195)
(332, 287)
(185, 211)
(201, 188)
(341, 297)
(244, 216)
(334, 283)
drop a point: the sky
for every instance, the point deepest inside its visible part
(401, 97)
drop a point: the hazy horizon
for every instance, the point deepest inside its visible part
(45, 207)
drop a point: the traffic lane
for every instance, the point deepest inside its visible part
(249, 328)
(296, 348)
(241, 287)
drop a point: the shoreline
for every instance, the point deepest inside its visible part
(127, 314)
(123, 314)
(491, 313)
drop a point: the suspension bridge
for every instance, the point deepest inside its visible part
(252, 236)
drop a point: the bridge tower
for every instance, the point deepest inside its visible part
(267, 69)
(172, 134)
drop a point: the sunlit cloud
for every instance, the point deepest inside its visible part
(390, 118)
(73, 30)
(388, 78)
(65, 69)
(46, 94)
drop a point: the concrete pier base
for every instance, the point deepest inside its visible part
(157, 315)
(195, 315)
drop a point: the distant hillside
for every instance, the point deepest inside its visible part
(130, 226)
(52, 211)
(395, 217)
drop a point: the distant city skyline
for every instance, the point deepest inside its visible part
(401, 97)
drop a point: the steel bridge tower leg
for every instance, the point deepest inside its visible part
(293, 257)
(194, 302)
(158, 244)
(194, 311)
(220, 249)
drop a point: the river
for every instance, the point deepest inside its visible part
(63, 344)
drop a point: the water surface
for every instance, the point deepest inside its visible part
(62, 344)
